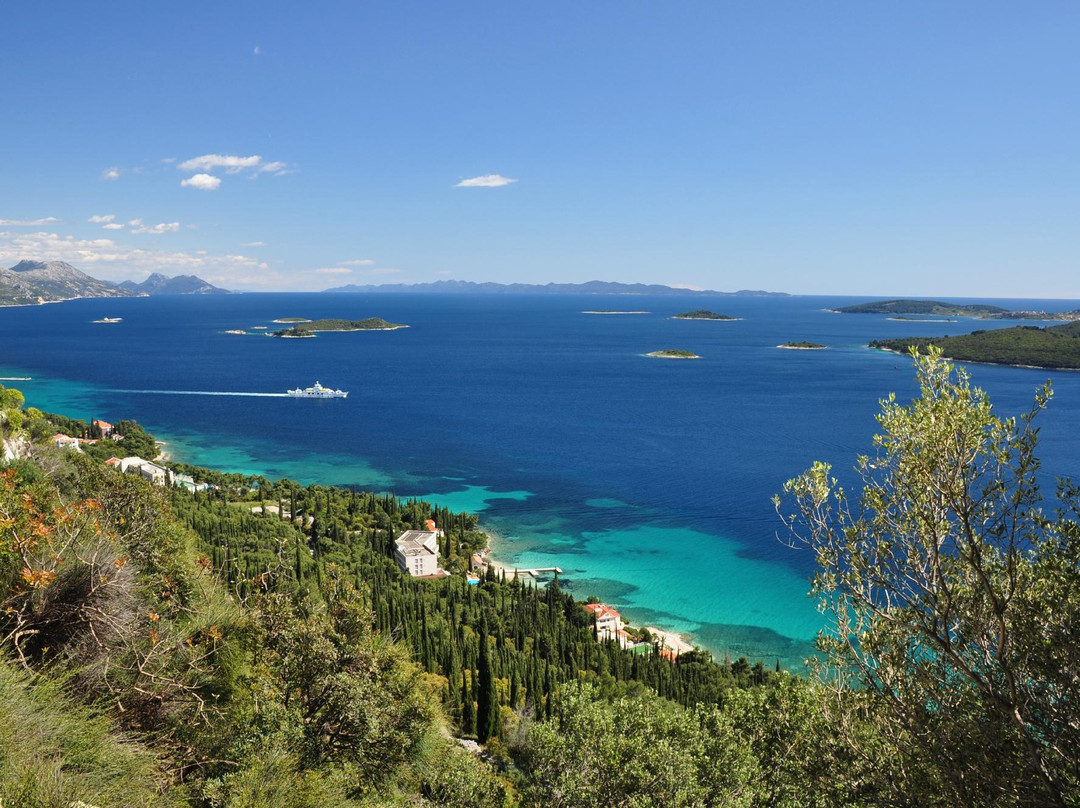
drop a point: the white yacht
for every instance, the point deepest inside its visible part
(318, 391)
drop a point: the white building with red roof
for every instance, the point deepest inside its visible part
(609, 623)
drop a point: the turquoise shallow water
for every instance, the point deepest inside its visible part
(647, 482)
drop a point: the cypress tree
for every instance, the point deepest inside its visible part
(468, 710)
(487, 699)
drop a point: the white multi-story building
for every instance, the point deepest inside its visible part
(149, 471)
(417, 551)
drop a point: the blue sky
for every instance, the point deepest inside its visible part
(850, 148)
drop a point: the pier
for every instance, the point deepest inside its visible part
(512, 574)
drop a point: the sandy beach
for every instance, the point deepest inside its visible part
(669, 640)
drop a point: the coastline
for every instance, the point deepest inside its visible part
(668, 639)
(983, 362)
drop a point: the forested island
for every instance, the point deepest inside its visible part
(673, 353)
(802, 346)
(703, 314)
(936, 307)
(1055, 346)
(230, 641)
(308, 328)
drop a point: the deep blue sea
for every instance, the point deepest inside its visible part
(647, 481)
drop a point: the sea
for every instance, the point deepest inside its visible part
(648, 482)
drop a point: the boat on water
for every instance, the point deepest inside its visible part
(318, 391)
(110, 320)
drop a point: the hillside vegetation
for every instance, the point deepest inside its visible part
(308, 328)
(1055, 346)
(923, 307)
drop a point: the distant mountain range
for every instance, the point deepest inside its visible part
(589, 288)
(158, 284)
(32, 282)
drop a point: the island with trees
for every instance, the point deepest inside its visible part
(937, 308)
(802, 346)
(703, 314)
(1055, 346)
(673, 353)
(308, 328)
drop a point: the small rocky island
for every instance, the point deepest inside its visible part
(802, 346)
(308, 328)
(673, 353)
(703, 314)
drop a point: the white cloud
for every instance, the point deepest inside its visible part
(276, 167)
(333, 270)
(203, 182)
(112, 226)
(156, 229)
(207, 164)
(359, 262)
(102, 219)
(254, 244)
(111, 173)
(168, 160)
(486, 181)
(28, 222)
(258, 50)
(230, 162)
(105, 258)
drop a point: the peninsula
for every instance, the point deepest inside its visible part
(940, 309)
(703, 314)
(30, 283)
(1025, 345)
(307, 328)
(673, 353)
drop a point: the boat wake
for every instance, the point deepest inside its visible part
(202, 393)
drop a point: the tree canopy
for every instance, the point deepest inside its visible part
(953, 600)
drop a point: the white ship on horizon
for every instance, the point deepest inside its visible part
(318, 391)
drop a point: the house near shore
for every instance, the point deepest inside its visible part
(151, 472)
(417, 551)
(62, 441)
(609, 623)
(105, 427)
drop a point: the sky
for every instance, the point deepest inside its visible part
(917, 148)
